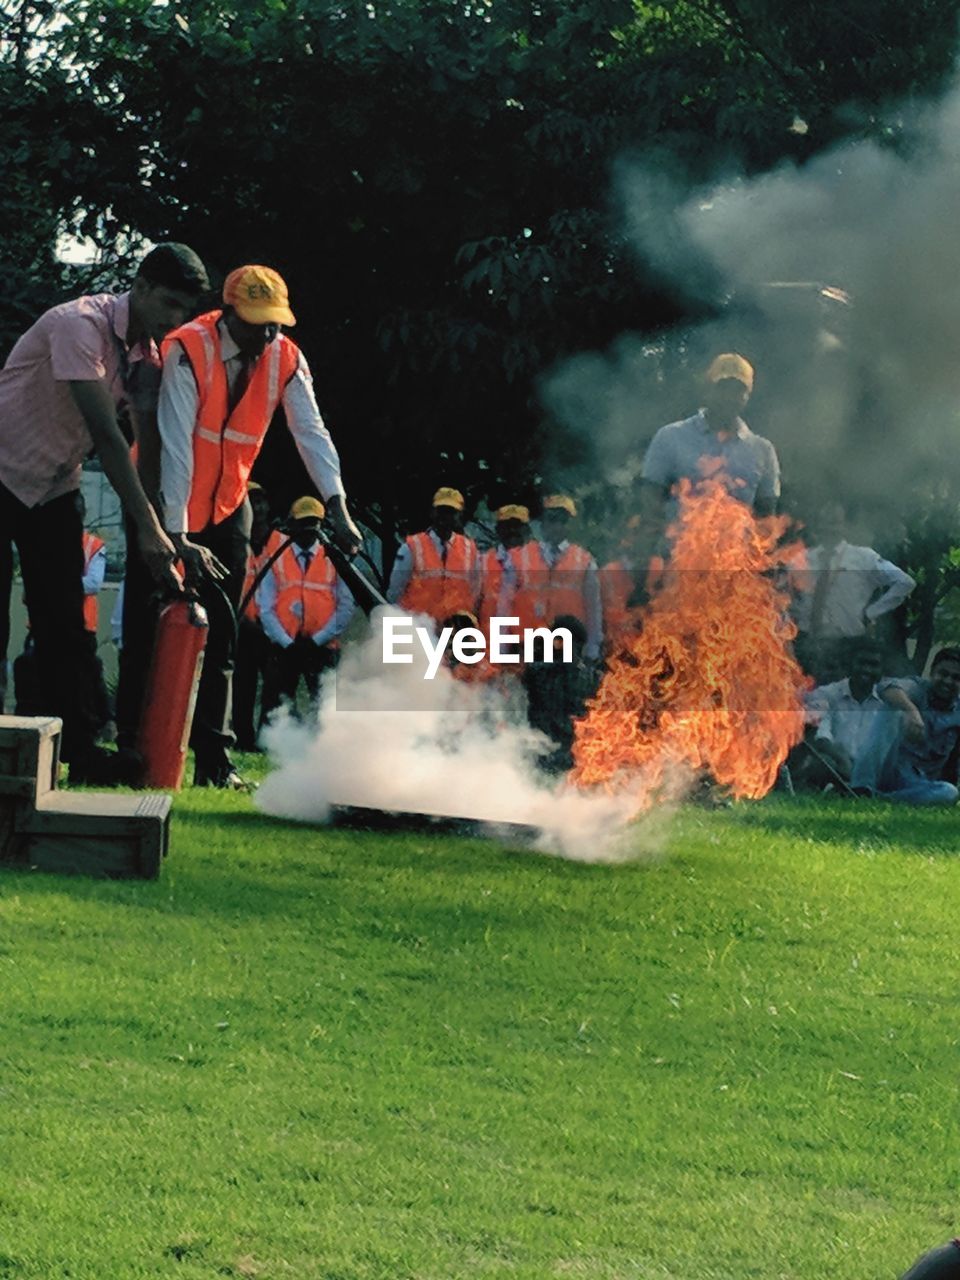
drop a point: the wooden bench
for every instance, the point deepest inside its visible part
(81, 832)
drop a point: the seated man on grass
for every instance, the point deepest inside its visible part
(843, 714)
(911, 753)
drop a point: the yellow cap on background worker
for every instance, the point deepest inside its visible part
(446, 497)
(730, 365)
(512, 511)
(258, 295)
(307, 509)
(560, 502)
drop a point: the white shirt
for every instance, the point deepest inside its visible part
(844, 720)
(95, 572)
(591, 594)
(744, 462)
(403, 568)
(857, 575)
(344, 605)
(177, 414)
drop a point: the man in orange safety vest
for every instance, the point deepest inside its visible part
(554, 577)
(437, 571)
(304, 608)
(94, 571)
(513, 529)
(224, 376)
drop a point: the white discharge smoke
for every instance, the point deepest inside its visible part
(861, 380)
(389, 740)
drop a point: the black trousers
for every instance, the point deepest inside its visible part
(49, 539)
(229, 541)
(28, 684)
(140, 610)
(286, 667)
(211, 737)
(253, 652)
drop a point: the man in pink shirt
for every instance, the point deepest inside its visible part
(60, 392)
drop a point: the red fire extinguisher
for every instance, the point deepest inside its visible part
(171, 692)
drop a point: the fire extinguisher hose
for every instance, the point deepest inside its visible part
(367, 596)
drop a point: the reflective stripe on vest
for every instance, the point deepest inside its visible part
(438, 587)
(544, 594)
(305, 602)
(225, 443)
(91, 608)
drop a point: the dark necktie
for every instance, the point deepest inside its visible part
(241, 381)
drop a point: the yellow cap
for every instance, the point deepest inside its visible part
(253, 487)
(307, 509)
(560, 502)
(513, 512)
(730, 365)
(445, 497)
(258, 295)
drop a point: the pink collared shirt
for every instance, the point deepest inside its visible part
(43, 437)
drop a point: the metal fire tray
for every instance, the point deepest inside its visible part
(363, 818)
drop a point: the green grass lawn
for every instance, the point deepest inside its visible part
(335, 1055)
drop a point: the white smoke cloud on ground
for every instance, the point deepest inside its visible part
(389, 740)
(871, 388)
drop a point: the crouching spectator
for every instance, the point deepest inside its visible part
(911, 754)
(843, 715)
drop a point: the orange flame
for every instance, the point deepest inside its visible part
(710, 683)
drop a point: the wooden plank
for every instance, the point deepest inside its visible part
(67, 853)
(98, 834)
(89, 833)
(29, 757)
(12, 726)
(92, 811)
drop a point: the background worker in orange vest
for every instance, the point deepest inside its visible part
(224, 376)
(553, 576)
(512, 528)
(94, 572)
(627, 582)
(253, 649)
(304, 608)
(437, 571)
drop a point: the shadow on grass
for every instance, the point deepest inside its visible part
(869, 823)
(236, 864)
